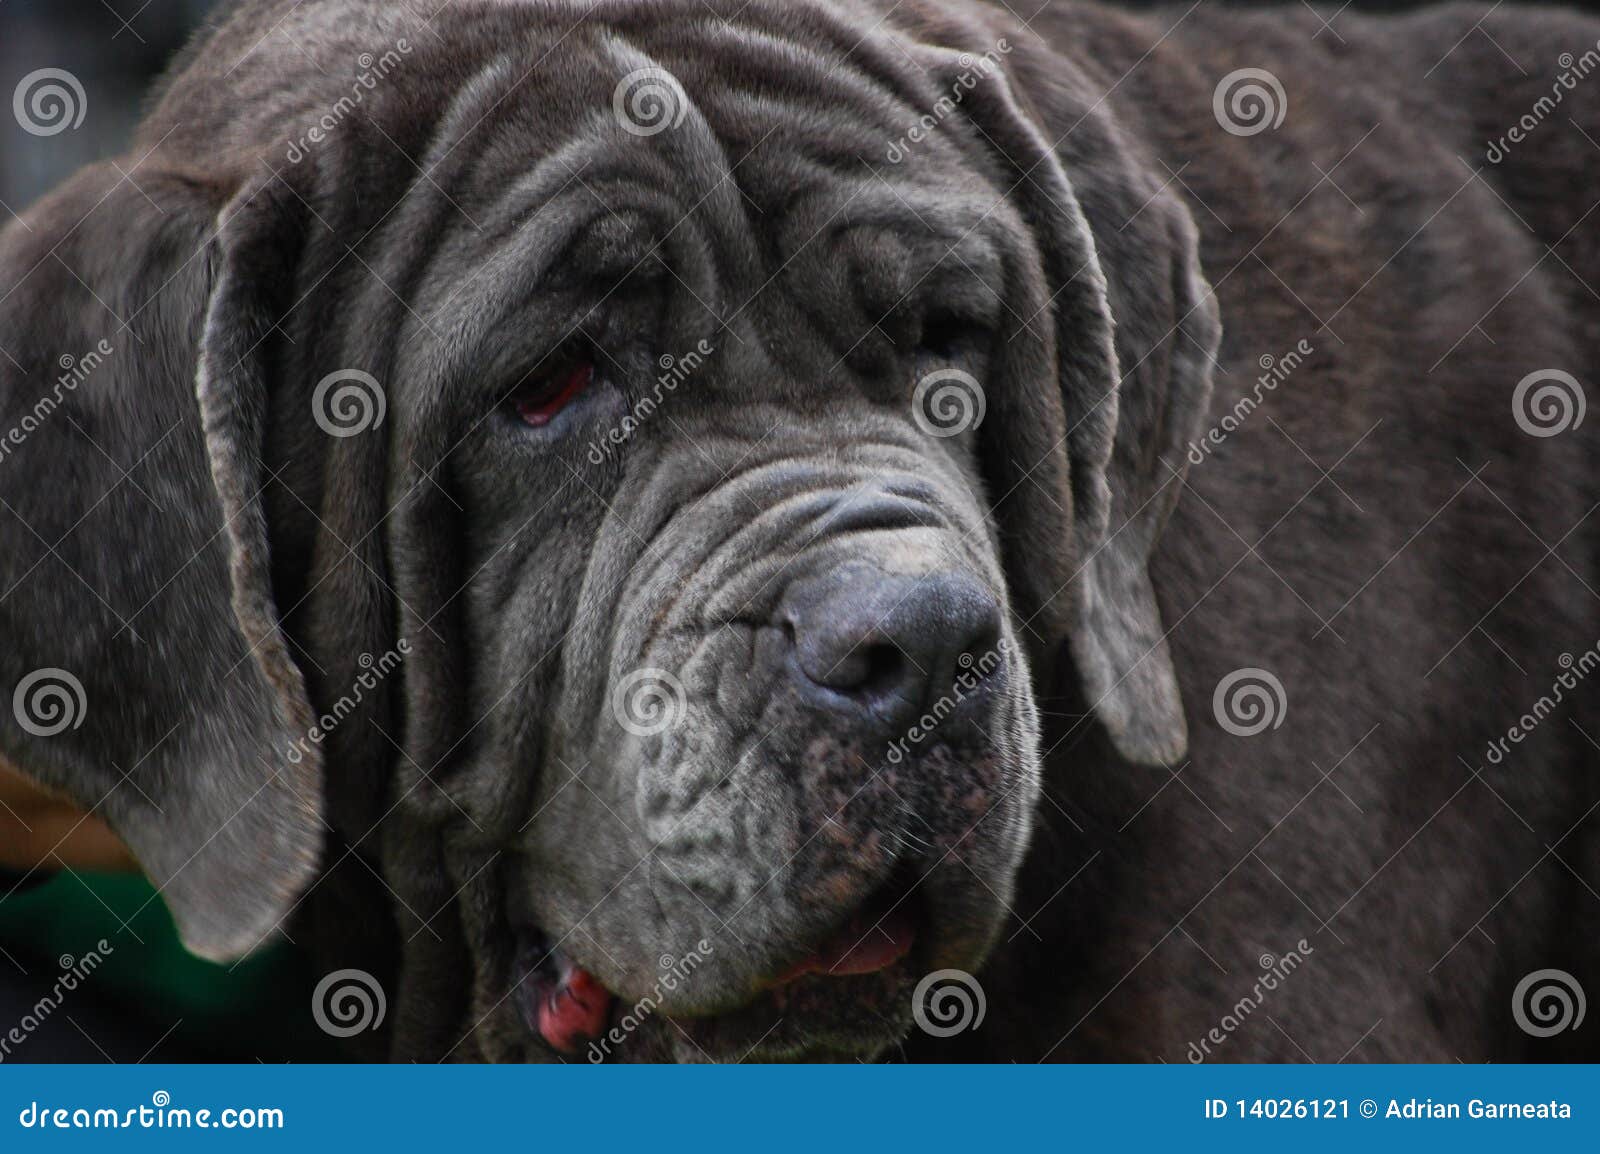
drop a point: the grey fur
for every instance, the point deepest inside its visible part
(483, 201)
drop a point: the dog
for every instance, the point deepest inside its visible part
(666, 530)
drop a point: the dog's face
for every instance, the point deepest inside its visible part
(758, 666)
(739, 457)
(735, 608)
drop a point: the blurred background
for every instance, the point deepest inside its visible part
(114, 47)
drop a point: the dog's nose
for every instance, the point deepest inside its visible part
(892, 643)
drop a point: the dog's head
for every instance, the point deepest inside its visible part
(651, 461)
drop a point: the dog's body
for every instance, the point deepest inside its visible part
(1377, 530)
(1421, 276)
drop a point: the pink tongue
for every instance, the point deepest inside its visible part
(865, 946)
(574, 1012)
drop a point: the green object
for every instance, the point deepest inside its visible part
(255, 1009)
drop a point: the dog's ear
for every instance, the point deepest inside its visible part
(144, 669)
(1135, 337)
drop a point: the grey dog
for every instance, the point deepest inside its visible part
(683, 529)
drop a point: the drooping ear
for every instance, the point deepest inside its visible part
(144, 670)
(1135, 337)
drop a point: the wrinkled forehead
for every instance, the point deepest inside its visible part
(731, 161)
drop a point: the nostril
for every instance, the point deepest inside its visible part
(886, 668)
(868, 669)
(837, 660)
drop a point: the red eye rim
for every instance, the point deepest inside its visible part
(539, 404)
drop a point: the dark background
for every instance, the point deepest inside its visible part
(116, 47)
(115, 62)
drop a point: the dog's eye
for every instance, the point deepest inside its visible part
(538, 399)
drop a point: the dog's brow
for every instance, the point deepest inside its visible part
(943, 263)
(480, 313)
